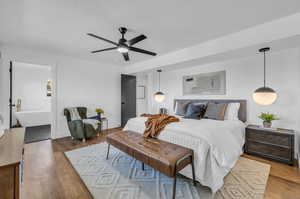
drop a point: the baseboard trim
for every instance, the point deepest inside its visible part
(110, 129)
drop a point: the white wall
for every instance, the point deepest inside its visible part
(242, 78)
(142, 104)
(82, 83)
(77, 82)
(1, 84)
(29, 85)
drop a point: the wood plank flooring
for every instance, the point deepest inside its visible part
(49, 175)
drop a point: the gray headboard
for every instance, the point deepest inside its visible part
(243, 105)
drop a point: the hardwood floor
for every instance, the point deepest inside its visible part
(49, 175)
(283, 182)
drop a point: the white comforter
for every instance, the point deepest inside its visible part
(217, 145)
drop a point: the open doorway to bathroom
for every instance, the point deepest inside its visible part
(30, 100)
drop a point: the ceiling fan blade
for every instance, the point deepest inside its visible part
(126, 56)
(106, 49)
(103, 39)
(141, 51)
(136, 40)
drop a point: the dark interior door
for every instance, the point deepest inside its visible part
(11, 105)
(128, 98)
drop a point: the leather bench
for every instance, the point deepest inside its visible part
(163, 156)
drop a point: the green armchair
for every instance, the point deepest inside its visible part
(79, 129)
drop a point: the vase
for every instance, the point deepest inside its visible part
(267, 124)
(99, 116)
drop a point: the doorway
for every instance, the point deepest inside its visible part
(31, 90)
(128, 98)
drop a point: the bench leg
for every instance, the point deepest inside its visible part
(107, 151)
(174, 187)
(193, 170)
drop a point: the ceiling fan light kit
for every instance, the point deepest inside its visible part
(264, 95)
(123, 46)
(122, 49)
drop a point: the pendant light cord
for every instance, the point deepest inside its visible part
(158, 81)
(264, 69)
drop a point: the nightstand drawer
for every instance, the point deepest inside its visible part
(255, 135)
(268, 150)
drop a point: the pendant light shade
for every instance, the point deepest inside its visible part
(159, 96)
(264, 95)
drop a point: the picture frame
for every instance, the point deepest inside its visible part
(141, 92)
(213, 83)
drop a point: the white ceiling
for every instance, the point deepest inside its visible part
(60, 26)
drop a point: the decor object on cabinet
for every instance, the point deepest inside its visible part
(264, 95)
(159, 96)
(19, 105)
(99, 111)
(205, 84)
(49, 88)
(267, 119)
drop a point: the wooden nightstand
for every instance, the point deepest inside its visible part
(273, 144)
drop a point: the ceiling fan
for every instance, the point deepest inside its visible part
(123, 46)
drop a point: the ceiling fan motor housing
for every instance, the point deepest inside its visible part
(123, 30)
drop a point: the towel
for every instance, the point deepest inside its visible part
(156, 123)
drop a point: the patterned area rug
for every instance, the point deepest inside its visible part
(122, 177)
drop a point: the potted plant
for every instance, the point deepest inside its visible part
(267, 119)
(99, 111)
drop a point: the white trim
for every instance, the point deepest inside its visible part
(54, 82)
(253, 37)
(54, 93)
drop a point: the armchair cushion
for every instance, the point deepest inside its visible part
(93, 122)
(76, 128)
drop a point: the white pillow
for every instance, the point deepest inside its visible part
(232, 111)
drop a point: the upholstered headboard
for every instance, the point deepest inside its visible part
(243, 105)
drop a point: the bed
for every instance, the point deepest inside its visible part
(217, 144)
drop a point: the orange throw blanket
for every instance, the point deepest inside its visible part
(156, 123)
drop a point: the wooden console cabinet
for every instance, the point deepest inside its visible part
(273, 144)
(11, 155)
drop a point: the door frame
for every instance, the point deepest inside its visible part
(54, 91)
(10, 104)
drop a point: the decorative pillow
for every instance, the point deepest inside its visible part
(180, 108)
(215, 111)
(195, 111)
(232, 111)
(203, 106)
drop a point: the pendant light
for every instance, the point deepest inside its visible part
(159, 96)
(264, 95)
